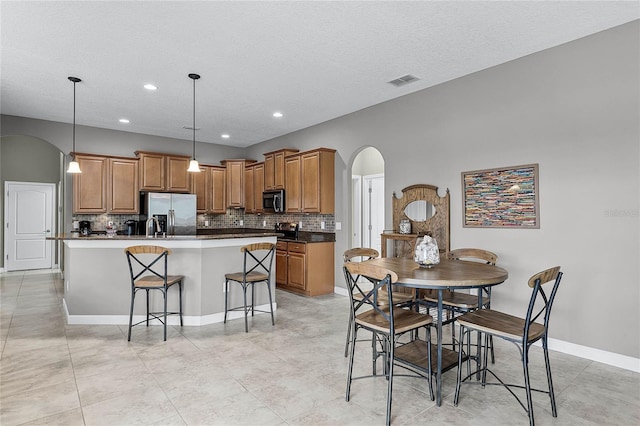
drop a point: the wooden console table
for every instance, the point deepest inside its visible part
(403, 244)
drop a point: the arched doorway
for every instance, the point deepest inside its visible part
(367, 198)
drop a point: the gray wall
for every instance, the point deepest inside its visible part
(573, 109)
(26, 159)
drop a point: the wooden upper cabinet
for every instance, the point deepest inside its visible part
(310, 178)
(253, 187)
(318, 181)
(178, 178)
(234, 176)
(293, 193)
(90, 186)
(208, 185)
(250, 200)
(258, 186)
(106, 185)
(123, 196)
(218, 190)
(274, 168)
(201, 186)
(152, 171)
(164, 172)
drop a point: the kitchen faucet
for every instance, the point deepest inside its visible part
(151, 229)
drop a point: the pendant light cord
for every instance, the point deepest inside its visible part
(194, 118)
(74, 120)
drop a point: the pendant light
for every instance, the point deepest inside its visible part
(193, 164)
(74, 167)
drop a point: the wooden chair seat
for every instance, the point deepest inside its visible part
(151, 281)
(454, 299)
(251, 277)
(500, 324)
(403, 320)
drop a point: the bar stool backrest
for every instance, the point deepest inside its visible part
(138, 266)
(257, 262)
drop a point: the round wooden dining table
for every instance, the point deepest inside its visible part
(447, 275)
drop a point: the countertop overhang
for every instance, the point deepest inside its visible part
(95, 237)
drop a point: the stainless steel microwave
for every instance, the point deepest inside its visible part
(273, 201)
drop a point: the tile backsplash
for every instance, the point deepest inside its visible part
(234, 218)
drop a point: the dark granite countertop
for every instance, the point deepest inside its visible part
(303, 236)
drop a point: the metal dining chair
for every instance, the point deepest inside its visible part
(363, 254)
(455, 302)
(523, 332)
(386, 322)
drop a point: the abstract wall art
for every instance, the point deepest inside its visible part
(504, 197)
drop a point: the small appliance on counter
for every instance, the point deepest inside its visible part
(131, 227)
(85, 228)
(289, 229)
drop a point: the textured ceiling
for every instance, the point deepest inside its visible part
(313, 61)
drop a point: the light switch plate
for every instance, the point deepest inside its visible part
(338, 226)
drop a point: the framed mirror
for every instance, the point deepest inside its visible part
(420, 210)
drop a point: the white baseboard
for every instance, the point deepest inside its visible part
(341, 291)
(188, 320)
(593, 354)
(598, 355)
(31, 271)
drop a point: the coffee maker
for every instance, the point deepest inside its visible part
(85, 228)
(131, 227)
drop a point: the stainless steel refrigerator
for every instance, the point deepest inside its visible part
(175, 212)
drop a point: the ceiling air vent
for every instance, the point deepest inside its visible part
(190, 128)
(405, 79)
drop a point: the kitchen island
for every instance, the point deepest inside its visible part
(97, 284)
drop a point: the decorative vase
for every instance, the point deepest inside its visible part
(426, 253)
(405, 226)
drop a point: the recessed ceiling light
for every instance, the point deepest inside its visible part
(124, 120)
(225, 136)
(150, 86)
(277, 114)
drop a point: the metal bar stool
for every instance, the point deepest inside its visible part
(258, 259)
(148, 269)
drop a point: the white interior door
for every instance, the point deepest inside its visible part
(373, 210)
(356, 220)
(29, 218)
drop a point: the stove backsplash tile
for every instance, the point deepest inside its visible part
(234, 218)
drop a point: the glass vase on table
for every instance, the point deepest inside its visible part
(426, 253)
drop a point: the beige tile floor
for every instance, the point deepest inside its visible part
(290, 374)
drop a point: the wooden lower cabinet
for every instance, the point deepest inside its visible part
(305, 268)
